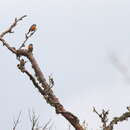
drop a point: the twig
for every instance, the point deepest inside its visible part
(103, 117)
(45, 126)
(34, 120)
(12, 49)
(16, 122)
(26, 38)
(9, 30)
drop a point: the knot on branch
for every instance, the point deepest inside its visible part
(51, 81)
(21, 65)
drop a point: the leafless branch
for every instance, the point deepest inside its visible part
(34, 120)
(46, 125)
(45, 89)
(12, 49)
(26, 38)
(9, 30)
(16, 122)
(103, 117)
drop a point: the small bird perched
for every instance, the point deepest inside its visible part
(32, 28)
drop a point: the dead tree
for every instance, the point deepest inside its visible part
(39, 81)
(45, 88)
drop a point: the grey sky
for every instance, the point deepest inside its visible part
(73, 41)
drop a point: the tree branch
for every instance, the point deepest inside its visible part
(9, 30)
(26, 38)
(16, 122)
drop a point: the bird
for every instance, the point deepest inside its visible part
(32, 28)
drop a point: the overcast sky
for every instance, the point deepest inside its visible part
(74, 41)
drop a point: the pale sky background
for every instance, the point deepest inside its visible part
(74, 41)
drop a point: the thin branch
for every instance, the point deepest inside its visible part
(9, 30)
(26, 38)
(16, 122)
(12, 49)
(46, 125)
(103, 117)
(34, 120)
(35, 123)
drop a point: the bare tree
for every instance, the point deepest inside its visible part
(39, 81)
(45, 87)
